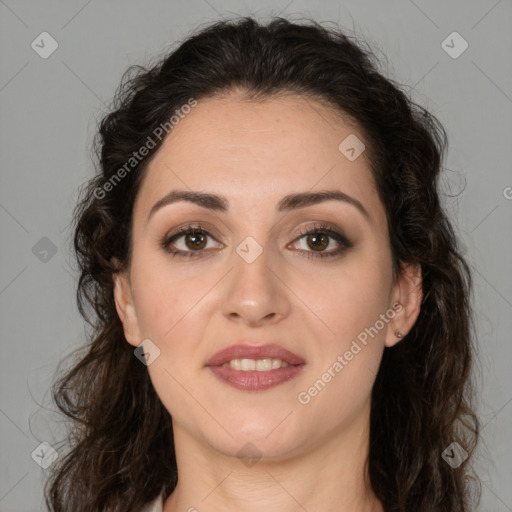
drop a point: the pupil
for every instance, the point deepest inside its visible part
(196, 240)
(322, 238)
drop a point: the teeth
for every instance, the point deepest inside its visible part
(260, 365)
(247, 364)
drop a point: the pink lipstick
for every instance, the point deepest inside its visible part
(255, 368)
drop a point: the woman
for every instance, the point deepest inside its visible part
(280, 310)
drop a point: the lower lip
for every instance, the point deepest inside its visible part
(254, 380)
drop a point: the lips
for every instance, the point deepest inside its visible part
(244, 351)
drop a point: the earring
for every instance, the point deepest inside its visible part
(398, 334)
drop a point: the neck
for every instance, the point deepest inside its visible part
(330, 476)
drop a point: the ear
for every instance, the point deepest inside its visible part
(407, 296)
(125, 306)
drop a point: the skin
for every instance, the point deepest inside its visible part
(313, 455)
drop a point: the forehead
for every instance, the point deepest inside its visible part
(259, 151)
(286, 124)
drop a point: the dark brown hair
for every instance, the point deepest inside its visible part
(121, 441)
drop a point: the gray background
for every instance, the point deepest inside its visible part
(49, 110)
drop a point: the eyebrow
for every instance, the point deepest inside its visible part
(290, 202)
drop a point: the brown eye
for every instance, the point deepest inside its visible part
(195, 241)
(315, 242)
(318, 241)
(188, 241)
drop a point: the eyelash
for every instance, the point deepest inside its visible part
(197, 229)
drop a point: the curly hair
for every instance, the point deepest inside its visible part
(121, 443)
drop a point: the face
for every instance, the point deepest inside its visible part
(311, 276)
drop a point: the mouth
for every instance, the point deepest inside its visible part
(254, 353)
(255, 368)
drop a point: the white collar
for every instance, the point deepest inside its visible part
(156, 505)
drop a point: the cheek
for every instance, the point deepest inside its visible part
(338, 396)
(173, 310)
(170, 313)
(164, 297)
(352, 344)
(349, 299)
(354, 311)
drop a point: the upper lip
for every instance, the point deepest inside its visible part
(243, 351)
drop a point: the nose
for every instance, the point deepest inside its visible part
(255, 293)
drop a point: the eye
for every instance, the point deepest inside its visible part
(194, 241)
(319, 238)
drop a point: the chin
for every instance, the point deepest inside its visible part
(271, 436)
